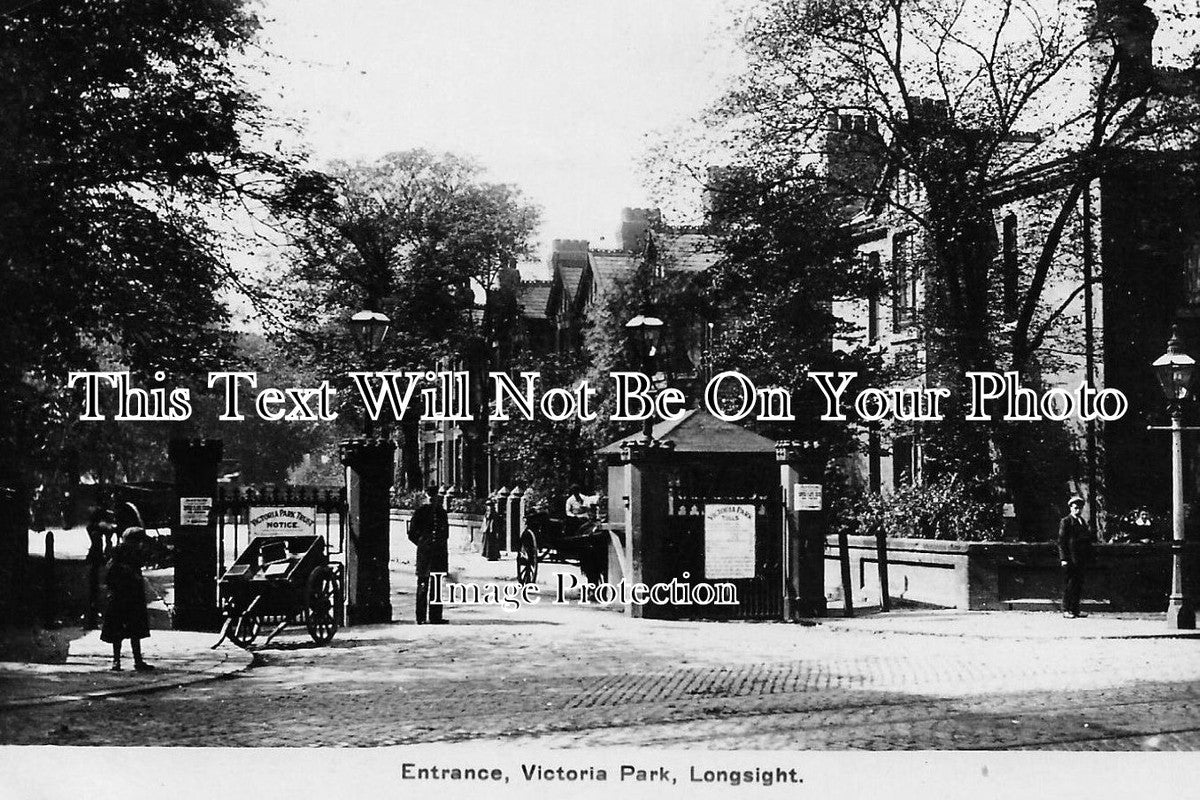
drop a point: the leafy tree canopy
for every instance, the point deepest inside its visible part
(126, 141)
(419, 236)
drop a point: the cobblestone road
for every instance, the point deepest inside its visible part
(564, 676)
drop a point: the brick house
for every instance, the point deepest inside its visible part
(1127, 268)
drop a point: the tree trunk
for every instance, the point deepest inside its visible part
(1018, 478)
(410, 449)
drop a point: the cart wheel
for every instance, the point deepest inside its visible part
(527, 558)
(323, 595)
(244, 630)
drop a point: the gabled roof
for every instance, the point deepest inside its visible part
(687, 249)
(570, 264)
(577, 269)
(534, 299)
(698, 431)
(609, 266)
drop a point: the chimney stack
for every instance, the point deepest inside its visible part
(635, 223)
(853, 153)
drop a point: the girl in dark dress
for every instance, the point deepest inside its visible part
(126, 617)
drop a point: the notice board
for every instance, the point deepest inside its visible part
(283, 519)
(729, 540)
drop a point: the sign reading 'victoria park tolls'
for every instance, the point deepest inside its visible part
(300, 520)
(729, 541)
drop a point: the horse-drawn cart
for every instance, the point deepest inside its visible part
(280, 579)
(562, 540)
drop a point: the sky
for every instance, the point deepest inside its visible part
(555, 96)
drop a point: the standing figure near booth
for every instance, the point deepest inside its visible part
(1074, 553)
(491, 530)
(429, 530)
(126, 616)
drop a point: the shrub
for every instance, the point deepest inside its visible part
(468, 505)
(407, 498)
(1125, 527)
(539, 500)
(945, 508)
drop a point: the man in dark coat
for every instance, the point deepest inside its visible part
(429, 530)
(1075, 553)
(126, 616)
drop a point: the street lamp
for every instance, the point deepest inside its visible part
(646, 331)
(1175, 370)
(368, 329)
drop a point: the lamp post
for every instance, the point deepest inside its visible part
(368, 329)
(1175, 370)
(646, 331)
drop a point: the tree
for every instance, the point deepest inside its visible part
(970, 98)
(122, 139)
(549, 455)
(786, 261)
(112, 451)
(765, 307)
(419, 236)
(126, 141)
(264, 451)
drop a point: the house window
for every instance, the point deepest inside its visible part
(873, 300)
(874, 471)
(904, 472)
(458, 462)
(1009, 279)
(1193, 274)
(430, 463)
(905, 273)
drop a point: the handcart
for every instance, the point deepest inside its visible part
(281, 579)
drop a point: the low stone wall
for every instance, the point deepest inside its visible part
(62, 597)
(70, 589)
(466, 530)
(1005, 575)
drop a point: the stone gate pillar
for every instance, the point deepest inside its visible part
(369, 464)
(14, 554)
(805, 520)
(194, 535)
(646, 481)
(500, 511)
(512, 518)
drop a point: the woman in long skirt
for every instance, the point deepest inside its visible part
(126, 617)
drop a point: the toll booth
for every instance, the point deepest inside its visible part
(702, 503)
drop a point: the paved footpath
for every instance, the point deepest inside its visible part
(565, 676)
(81, 670)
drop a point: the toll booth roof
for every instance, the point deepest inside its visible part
(698, 431)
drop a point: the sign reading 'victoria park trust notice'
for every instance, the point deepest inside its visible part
(299, 520)
(729, 541)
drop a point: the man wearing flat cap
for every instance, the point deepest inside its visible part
(1075, 553)
(429, 530)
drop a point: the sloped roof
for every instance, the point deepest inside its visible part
(571, 278)
(534, 299)
(570, 264)
(698, 431)
(687, 250)
(611, 265)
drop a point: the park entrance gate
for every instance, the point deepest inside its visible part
(242, 513)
